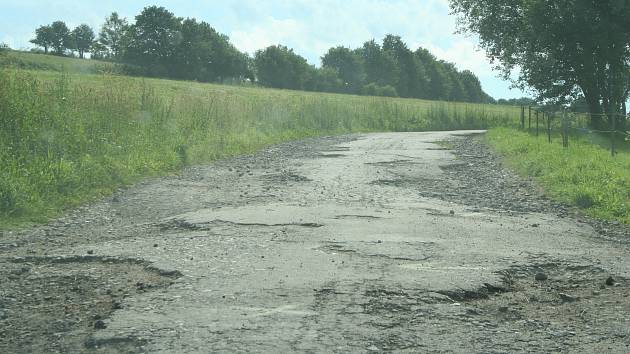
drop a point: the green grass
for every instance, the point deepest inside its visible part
(35, 61)
(69, 137)
(584, 175)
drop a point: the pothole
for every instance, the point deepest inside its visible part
(331, 156)
(54, 304)
(284, 178)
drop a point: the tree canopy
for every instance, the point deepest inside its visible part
(60, 37)
(563, 49)
(112, 35)
(82, 39)
(43, 37)
(158, 43)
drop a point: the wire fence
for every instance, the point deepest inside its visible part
(568, 124)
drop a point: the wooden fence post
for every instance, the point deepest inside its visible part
(549, 127)
(613, 146)
(522, 117)
(565, 130)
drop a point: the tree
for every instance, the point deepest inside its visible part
(380, 66)
(325, 79)
(193, 57)
(99, 51)
(43, 38)
(60, 37)
(472, 86)
(563, 48)
(204, 54)
(154, 39)
(404, 61)
(83, 39)
(348, 65)
(458, 91)
(112, 35)
(439, 82)
(279, 67)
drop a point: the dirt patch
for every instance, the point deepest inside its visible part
(54, 304)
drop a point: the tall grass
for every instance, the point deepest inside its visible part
(584, 175)
(65, 139)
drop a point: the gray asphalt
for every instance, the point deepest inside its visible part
(335, 256)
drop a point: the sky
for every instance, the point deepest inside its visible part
(310, 27)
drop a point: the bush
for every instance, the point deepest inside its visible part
(373, 89)
(4, 48)
(387, 91)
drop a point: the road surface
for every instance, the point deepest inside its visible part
(367, 243)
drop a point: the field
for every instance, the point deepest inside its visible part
(71, 132)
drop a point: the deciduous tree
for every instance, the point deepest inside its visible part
(112, 35)
(83, 39)
(60, 37)
(560, 48)
(43, 38)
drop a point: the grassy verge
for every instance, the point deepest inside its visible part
(68, 138)
(584, 175)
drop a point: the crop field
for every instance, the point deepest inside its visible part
(69, 135)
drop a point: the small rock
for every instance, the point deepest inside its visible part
(535, 225)
(596, 292)
(610, 281)
(567, 298)
(372, 348)
(100, 324)
(474, 312)
(540, 276)
(503, 309)
(452, 212)
(155, 245)
(90, 252)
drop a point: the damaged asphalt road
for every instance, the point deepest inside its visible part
(363, 243)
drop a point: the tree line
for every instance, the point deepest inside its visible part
(164, 45)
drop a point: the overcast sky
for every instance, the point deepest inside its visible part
(310, 27)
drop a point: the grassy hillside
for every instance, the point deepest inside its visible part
(35, 61)
(68, 135)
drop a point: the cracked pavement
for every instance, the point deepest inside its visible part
(345, 245)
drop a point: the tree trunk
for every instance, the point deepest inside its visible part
(596, 110)
(45, 49)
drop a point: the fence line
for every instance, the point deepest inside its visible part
(567, 122)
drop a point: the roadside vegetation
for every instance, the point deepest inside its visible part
(584, 175)
(66, 138)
